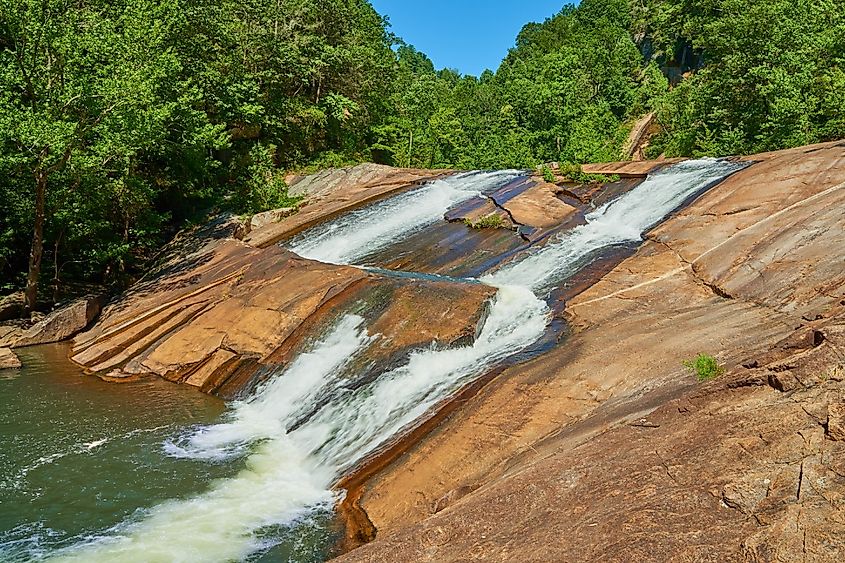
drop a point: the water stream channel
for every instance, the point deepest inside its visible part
(153, 472)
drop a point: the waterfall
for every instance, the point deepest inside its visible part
(289, 473)
(360, 233)
(619, 221)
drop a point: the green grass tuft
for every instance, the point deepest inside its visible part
(705, 367)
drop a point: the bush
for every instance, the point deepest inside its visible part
(573, 171)
(492, 221)
(265, 188)
(548, 175)
(705, 367)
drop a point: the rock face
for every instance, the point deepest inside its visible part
(11, 331)
(331, 192)
(628, 169)
(214, 318)
(265, 218)
(61, 324)
(8, 359)
(12, 306)
(606, 448)
(538, 207)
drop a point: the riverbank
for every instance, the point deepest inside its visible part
(745, 272)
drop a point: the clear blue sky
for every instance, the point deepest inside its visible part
(468, 35)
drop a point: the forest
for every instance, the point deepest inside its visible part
(122, 121)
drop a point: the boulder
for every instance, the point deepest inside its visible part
(63, 323)
(8, 359)
(267, 217)
(12, 306)
(538, 207)
(11, 331)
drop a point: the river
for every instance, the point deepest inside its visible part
(161, 473)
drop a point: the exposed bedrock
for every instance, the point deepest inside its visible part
(606, 448)
(222, 315)
(334, 191)
(8, 359)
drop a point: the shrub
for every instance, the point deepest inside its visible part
(705, 367)
(574, 172)
(548, 175)
(492, 221)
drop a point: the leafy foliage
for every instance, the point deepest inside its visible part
(705, 367)
(120, 120)
(772, 74)
(492, 221)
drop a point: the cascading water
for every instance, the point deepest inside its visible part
(290, 472)
(621, 220)
(360, 233)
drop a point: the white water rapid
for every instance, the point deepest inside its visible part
(362, 232)
(619, 221)
(289, 473)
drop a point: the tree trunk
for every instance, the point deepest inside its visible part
(31, 293)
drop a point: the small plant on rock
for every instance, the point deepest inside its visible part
(492, 221)
(705, 367)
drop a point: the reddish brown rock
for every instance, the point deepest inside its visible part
(212, 317)
(8, 359)
(11, 331)
(729, 472)
(628, 169)
(62, 323)
(562, 465)
(334, 191)
(538, 207)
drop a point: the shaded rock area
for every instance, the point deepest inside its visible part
(222, 315)
(12, 306)
(265, 218)
(11, 331)
(8, 359)
(336, 190)
(607, 448)
(62, 323)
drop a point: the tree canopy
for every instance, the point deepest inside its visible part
(121, 120)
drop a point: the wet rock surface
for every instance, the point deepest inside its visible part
(225, 314)
(529, 211)
(8, 359)
(608, 449)
(334, 191)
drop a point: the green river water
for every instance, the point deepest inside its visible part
(80, 457)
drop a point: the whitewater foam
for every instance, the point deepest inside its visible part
(358, 234)
(290, 472)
